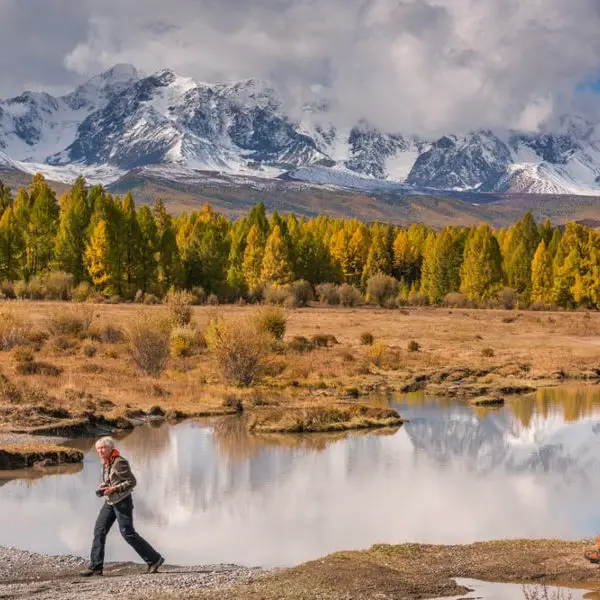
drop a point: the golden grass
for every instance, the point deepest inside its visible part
(321, 418)
(530, 349)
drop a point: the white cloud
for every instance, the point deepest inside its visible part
(424, 66)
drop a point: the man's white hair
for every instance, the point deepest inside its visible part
(106, 442)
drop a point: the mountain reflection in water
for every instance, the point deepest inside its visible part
(208, 492)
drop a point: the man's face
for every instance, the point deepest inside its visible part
(104, 452)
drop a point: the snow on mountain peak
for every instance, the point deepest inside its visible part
(121, 119)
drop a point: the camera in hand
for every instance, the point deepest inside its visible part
(99, 493)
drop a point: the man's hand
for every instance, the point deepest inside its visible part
(109, 490)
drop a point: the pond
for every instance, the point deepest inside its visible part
(209, 493)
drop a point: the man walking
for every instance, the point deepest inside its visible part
(116, 487)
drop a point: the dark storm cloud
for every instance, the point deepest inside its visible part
(407, 65)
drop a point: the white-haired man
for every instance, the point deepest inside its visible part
(117, 484)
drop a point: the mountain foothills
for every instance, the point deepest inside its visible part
(121, 121)
(91, 243)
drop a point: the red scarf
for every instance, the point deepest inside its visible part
(112, 457)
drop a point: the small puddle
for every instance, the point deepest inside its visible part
(515, 591)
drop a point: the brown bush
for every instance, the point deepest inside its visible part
(367, 338)
(58, 285)
(74, 321)
(81, 292)
(456, 300)
(180, 305)
(487, 352)
(239, 348)
(38, 368)
(418, 299)
(322, 340)
(507, 297)
(382, 289)
(14, 331)
(90, 350)
(149, 339)
(350, 295)
(186, 341)
(300, 345)
(271, 320)
(299, 294)
(328, 293)
(275, 294)
(413, 346)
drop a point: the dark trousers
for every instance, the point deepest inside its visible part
(123, 513)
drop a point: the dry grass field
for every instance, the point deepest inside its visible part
(54, 377)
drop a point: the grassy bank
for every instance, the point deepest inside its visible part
(69, 369)
(419, 571)
(22, 456)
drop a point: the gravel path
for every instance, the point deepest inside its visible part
(12, 439)
(27, 575)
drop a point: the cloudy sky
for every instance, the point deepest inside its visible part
(418, 65)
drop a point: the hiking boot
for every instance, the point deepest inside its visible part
(593, 556)
(153, 568)
(89, 572)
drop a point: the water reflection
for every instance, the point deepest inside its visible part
(210, 493)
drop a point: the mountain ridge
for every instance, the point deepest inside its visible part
(122, 120)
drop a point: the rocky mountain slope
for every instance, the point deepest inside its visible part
(121, 120)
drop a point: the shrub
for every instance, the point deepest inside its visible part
(212, 300)
(180, 305)
(322, 340)
(418, 299)
(14, 331)
(151, 299)
(240, 349)
(413, 346)
(328, 293)
(35, 289)
(58, 285)
(9, 392)
(149, 342)
(231, 401)
(299, 294)
(38, 368)
(350, 295)
(75, 321)
(300, 345)
(110, 334)
(378, 353)
(538, 306)
(90, 350)
(81, 292)
(256, 294)
(185, 341)
(62, 344)
(367, 338)
(20, 288)
(507, 298)
(7, 290)
(381, 289)
(275, 294)
(271, 320)
(23, 354)
(487, 352)
(456, 300)
(199, 295)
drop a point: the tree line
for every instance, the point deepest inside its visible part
(106, 242)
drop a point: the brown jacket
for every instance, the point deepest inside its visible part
(117, 473)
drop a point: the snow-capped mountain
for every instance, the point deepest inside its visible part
(121, 120)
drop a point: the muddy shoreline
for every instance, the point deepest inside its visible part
(383, 571)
